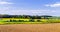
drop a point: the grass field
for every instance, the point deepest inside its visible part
(55, 27)
(27, 21)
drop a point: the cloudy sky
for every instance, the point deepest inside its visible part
(30, 7)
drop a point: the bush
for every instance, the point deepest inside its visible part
(21, 20)
(31, 20)
(39, 21)
(11, 21)
(14, 20)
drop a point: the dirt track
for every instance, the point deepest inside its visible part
(30, 28)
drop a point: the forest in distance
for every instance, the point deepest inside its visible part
(28, 16)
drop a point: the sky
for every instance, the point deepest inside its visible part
(30, 7)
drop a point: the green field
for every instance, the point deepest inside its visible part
(27, 21)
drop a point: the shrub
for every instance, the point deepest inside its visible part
(39, 21)
(14, 21)
(21, 20)
(31, 20)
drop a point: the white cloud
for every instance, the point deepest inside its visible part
(53, 11)
(53, 5)
(12, 10)
(5, 0)
(5, 3)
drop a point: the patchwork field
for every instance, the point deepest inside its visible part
(54, 27)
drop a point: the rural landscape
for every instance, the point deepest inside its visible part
(29, 15)
(27, 23)
(27, 19)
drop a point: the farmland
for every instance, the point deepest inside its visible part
(27, 21)
(54, 27)
(29, 24)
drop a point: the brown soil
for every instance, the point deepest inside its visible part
(30, 28)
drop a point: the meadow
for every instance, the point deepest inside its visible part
(27, 21)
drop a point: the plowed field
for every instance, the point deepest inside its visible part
(30, 28)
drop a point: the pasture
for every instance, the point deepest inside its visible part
(27, 21)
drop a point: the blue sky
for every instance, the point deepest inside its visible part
(30, 7)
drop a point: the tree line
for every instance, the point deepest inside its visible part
(25, 16)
